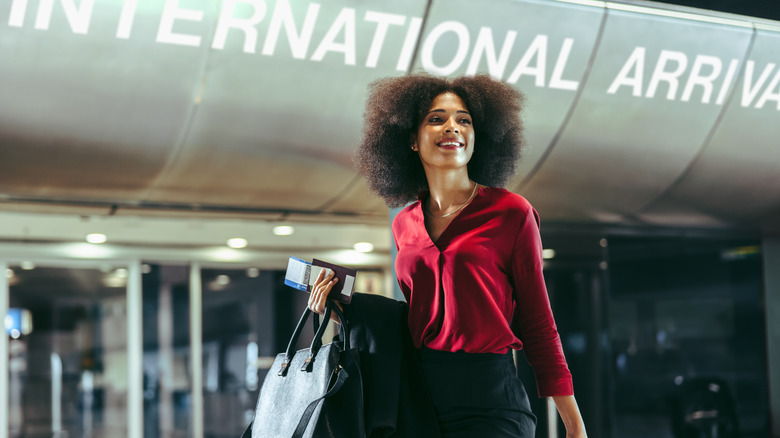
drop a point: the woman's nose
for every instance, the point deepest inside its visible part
(451, 126)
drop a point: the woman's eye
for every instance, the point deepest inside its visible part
(434, 119)
(466, 121)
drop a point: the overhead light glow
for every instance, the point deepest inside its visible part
(9, 273)
(27, 265)
(548, 254)
(86, 251)
(96, 238)
(283, 230)
(114, 280)
(350, 257)
(237, 242)
(226, 255)
(121, 273)
(252, 272)
(364, 247)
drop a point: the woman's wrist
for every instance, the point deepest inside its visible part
(570, 414)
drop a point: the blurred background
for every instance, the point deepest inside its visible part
(160, 160)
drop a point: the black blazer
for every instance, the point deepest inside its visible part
(396, 400)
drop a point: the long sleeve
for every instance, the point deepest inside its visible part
(533, 320)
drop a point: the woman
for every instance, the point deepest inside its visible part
(469, 253)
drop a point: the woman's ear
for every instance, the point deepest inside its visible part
(413, 141)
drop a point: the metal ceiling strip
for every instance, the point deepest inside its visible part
(673, 13)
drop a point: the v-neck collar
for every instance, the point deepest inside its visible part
(439, 244)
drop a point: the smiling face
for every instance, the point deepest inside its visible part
(445, 137)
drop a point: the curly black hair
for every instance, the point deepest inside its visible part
(396, 107)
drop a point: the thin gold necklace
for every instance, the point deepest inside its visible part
(473, 192)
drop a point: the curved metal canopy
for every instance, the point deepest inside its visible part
(636, 113)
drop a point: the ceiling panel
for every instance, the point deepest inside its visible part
(100, 114)
(737, 176)
(638, 122)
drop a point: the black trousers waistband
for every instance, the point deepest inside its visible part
(428, 354)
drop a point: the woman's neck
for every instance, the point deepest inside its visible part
(448, 189)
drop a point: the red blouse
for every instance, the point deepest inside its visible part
(480, 287)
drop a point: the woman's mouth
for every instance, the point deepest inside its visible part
(450, 144)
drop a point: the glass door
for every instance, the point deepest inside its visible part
(68, 355)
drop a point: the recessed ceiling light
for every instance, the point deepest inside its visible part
(237, 242)
(283, 230)
(364, 247)
(96, 238)
(252, 272)
(27, 265)
(548, 253)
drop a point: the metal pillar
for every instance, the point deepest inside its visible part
(196, 349)
(135, 352)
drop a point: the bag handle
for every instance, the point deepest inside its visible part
(317, 341)
(344, 325)
(288, 355)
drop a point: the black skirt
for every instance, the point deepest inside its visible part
(477, 395)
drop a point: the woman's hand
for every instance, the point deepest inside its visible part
(320, 291)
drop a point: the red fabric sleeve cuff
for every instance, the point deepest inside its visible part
(555, 387)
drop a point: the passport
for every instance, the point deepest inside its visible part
(301, 275)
